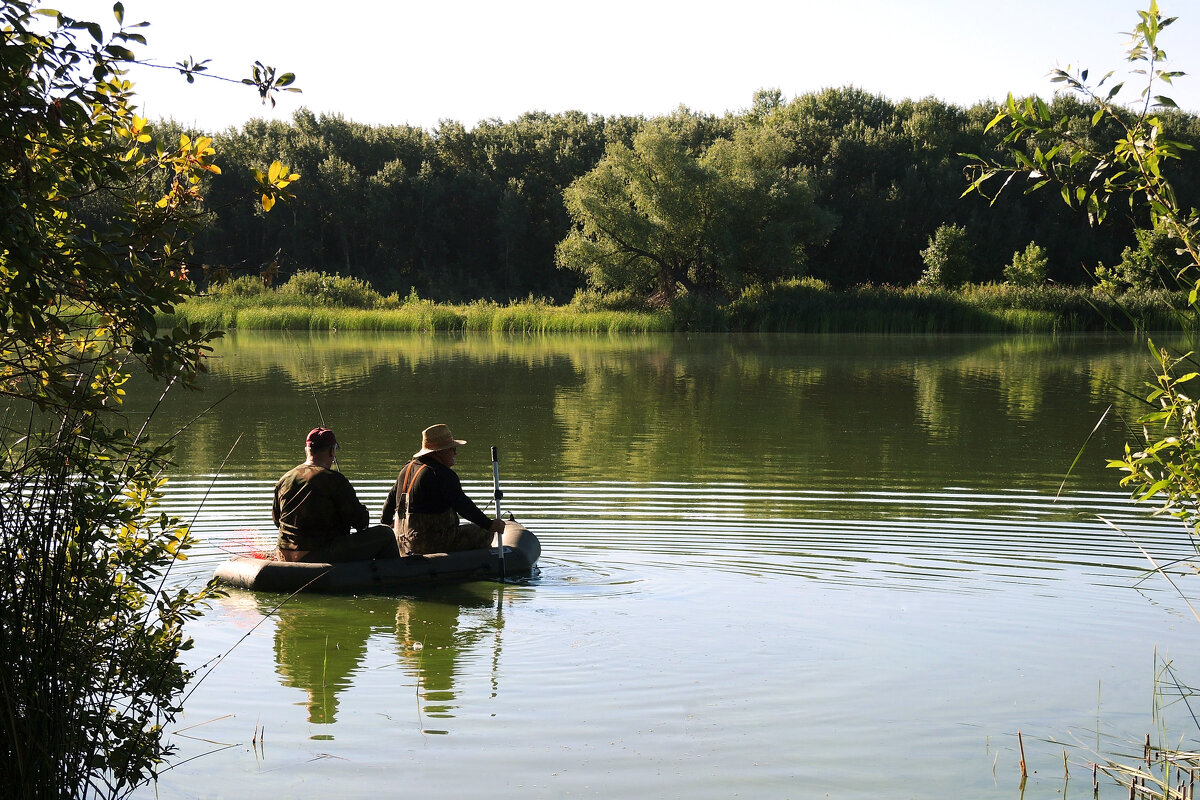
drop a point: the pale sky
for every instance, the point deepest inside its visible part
(400, 62)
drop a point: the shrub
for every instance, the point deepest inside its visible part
(244, 286)
(309, 287)
(1153, 264)
(592, 299)
(1028, 268)
(948, 258)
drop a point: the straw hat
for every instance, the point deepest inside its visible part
(437, 437)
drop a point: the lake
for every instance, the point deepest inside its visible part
(773, 566)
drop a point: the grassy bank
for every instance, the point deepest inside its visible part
(321, 302)
(424, 316)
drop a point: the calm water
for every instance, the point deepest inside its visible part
(772, 567)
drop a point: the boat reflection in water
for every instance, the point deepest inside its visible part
(321, 642)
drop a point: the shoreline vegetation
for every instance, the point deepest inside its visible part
(320, 302)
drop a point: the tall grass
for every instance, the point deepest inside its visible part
(799, 306)
(419, 317)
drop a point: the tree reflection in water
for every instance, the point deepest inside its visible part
(321, 641)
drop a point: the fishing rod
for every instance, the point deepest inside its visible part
(312, 390)
(307, 382)
(496, 495)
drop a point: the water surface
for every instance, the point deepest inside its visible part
(773, 566)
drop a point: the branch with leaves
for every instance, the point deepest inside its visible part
(1123, 155)
(1090, 169)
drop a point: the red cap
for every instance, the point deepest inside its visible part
(320, 439)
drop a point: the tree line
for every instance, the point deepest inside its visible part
(841, 185)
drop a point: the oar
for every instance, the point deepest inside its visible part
(496, 495)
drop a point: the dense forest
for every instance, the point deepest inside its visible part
(841, 185)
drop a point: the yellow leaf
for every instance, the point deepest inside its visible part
(162, 202)
(275, 171)
(268, 202)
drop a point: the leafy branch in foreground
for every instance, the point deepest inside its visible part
(1122, 155)
(114, 50)
(91, 627)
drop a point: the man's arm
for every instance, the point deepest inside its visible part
(350, 508)
(275, 511)
(464, 505)
(389, 506)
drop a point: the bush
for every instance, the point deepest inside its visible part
(1153, 264)
(1028, 268)
(948, 259)
(309, 286)
(616, 300)
(244, 286)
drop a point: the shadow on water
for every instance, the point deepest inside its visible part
(321, 642)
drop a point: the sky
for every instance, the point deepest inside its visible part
(417, 63)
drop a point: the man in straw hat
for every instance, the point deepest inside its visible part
(424, 505)
(315, 508)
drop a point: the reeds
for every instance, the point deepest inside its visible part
(419, 317)
(795, 306)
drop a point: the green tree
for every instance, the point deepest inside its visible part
(1154, 263)
(1028, 267)
(949, 258)
(90, 629)
(659, 219)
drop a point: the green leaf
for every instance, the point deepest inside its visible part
(1164, 102)
(1154, 489)
(119, 13)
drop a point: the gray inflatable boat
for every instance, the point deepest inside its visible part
(521, 552)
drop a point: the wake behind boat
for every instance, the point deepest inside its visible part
(521, 552)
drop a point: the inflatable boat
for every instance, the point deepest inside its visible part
(521, 551)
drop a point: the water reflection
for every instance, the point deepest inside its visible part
(435, 633)
(321, 643)
(811, 411)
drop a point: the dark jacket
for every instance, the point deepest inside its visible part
(433, 488)
(314, 505)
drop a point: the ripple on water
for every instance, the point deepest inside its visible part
(956, 540)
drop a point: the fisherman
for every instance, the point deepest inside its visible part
(425, 503)
(315, 508)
